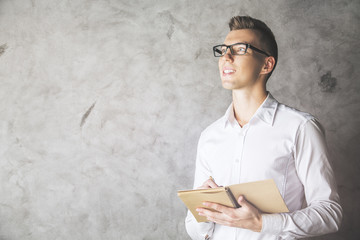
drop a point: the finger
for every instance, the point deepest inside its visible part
(215, 217)
(243, 202)
(212, 183)
(209, 214)
(218, 207)
(208, 184)
(204, 212)
(247, 205)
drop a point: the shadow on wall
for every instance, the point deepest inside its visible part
(3, 49)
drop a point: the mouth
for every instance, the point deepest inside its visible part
(228, 71)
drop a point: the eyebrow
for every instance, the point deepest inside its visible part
(239, 42)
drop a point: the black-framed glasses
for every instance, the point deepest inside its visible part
(235, 49)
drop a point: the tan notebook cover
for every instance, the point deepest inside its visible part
(262, 194)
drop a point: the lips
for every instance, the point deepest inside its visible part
(228, 71)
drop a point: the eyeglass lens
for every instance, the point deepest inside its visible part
(236, 49)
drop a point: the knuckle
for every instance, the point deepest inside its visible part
(209, 213)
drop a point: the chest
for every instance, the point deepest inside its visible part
(250, 155)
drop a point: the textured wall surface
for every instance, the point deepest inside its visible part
(102, 104)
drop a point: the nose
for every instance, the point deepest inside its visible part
(228, 56)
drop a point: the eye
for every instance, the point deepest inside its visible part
(239, 49)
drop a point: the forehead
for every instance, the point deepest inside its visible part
(242, 35)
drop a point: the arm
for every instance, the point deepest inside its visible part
(200, 231)
(323, 214)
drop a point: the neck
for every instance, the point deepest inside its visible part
(246, 103)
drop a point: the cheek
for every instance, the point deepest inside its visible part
(249, 67)
(258, 63)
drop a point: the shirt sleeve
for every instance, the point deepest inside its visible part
(323, 213)
(204, 230)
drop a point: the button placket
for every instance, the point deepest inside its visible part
(236, 161)
(241, 136)
(238, 155)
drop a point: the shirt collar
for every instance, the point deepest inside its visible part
(266, 112)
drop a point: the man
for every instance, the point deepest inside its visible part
(259, 138)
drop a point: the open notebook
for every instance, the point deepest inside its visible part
(262, 194)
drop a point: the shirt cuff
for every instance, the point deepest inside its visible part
(272, 223)
(203, 229)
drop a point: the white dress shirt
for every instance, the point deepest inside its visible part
(279, 143)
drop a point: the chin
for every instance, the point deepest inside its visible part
(227, 85)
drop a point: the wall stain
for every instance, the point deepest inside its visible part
(198, 53)
(3, 48)
(169, 18)
(86, 115)
(327, 83)
(170, 31)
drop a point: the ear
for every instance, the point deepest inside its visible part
(269, 65)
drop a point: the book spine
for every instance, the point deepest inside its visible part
(232, 198)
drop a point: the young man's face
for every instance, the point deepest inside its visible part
(241, 71)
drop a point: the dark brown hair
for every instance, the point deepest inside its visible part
(267, 37)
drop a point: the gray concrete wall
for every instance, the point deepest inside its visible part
(102, 104)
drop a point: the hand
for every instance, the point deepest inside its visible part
(247, 216)
(210, 183)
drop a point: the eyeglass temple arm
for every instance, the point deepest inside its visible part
(258, 50)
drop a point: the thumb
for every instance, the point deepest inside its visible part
(242, 201)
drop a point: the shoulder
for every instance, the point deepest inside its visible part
(215, 126)
(292, 115)
(296, 119)
(214, 130)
